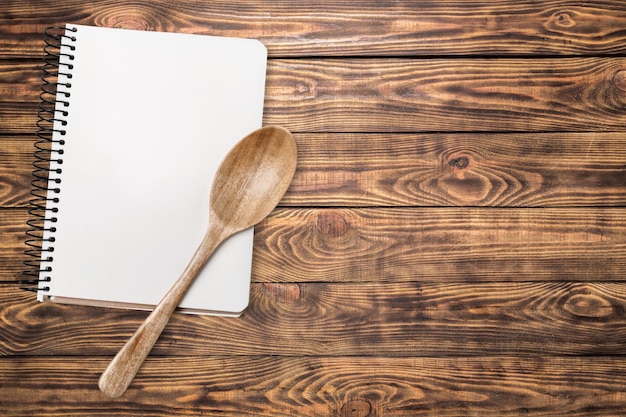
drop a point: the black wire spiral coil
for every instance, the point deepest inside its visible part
(48, 156)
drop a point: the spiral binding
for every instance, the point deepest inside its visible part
(52, 114)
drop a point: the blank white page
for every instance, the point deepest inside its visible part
(151, 116)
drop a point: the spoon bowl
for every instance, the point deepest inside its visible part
(247, 186)
(258, 170)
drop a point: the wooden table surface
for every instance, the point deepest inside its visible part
(453, 243)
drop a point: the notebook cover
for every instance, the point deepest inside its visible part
(151, 116)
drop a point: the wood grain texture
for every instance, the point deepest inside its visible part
(413, 95)
(314, 387)
(453, 244)
(16, 158)
(513, 170)
(419, 244)
(333, 319)
(13, 233)
(348, 27)
(337, 245)
(20, 79)
(482, 169)
(440, 95)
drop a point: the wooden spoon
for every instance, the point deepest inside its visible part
(247, 186)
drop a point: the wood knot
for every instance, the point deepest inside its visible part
(301, 88)
(589, 305)
(129, 22)
(283, 293)
(332, 224)
(460, 162)
(619, 80)
(562, 20)
(356, 408)
(461, 177)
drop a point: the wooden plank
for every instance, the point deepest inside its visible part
(13, 231)
(313, 387)
(418, 244)
(349, 27)
(513, 170)
(18, 118)
(413, 95)
(16, 156)
(20, 80)
(441, 244)
(458, 95)
(335, 319)
(371, 295)
(509, 170)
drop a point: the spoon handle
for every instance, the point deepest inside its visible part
(123, 368)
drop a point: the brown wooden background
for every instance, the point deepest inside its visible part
(454, 242)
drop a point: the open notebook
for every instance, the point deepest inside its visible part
(142, 121)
